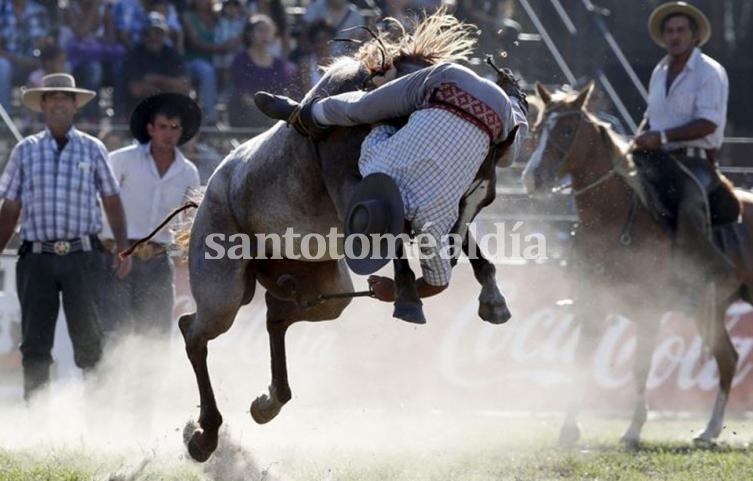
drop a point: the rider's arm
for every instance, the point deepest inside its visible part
(695, 129)
(510, 148)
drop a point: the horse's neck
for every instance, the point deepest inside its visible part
(610, 201)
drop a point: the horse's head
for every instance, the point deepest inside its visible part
(563, 130)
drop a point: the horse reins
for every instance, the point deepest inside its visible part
(625, 237)
(551, 121)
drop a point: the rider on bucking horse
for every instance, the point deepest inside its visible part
(455, 119)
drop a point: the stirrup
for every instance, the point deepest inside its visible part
(302, 118)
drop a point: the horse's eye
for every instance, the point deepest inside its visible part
(567, 131)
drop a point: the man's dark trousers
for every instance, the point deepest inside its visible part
(40, 279)
(142, 302)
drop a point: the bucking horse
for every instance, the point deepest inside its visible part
(280, 180)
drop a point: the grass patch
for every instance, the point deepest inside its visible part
(497, 449)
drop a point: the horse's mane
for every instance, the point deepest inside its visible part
(619, 148)
(439, 37)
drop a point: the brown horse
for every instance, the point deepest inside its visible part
(622, 253)
(281, 180)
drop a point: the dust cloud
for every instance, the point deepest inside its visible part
(367, 390)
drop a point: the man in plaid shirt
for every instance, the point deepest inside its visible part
(53, 182)
(455, 117)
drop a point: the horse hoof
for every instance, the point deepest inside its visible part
(201, 445)
(494, 313)
(410, 312)
(264, 409)
(630, 442)
(704, 441)
(569, 436)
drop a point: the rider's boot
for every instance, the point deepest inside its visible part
(298, 115)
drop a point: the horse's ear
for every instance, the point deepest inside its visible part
(544, 94)
(583, 96)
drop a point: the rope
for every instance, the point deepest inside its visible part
(129, 251)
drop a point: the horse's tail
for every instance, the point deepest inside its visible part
(182, 233)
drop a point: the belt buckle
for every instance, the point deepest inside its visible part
(61, 247)
(145, 251)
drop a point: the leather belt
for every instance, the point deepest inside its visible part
(143, 252)
(61, 247)
(691, 152)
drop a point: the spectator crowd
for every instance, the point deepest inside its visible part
(219, 51)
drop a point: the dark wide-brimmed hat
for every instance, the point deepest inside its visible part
(376, 208)
(56, 82)
(661, 12)
(185, 108)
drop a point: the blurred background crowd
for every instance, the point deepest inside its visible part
(222, 51)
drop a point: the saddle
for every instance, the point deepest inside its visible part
(657, 176)
(657, 186)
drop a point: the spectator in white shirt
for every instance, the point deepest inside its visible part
(683, 130)
(154, 178)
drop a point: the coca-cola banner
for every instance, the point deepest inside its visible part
(524, 364)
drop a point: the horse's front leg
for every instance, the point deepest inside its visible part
(716, 337)
(408, 305)
(590, 333)
(646, 329)
(282, 313)
(267, 406)
(492, 305)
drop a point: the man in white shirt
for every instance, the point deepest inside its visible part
(154, 178)
(684, 129)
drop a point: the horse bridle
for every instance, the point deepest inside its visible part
(549, 123)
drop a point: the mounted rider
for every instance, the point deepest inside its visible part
(684, 129)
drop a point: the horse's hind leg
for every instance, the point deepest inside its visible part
(717, 339)
(646, 329)
(198, 329)
(217, 306)
(492, 305)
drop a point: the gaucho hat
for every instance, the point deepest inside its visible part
(184, 106)
(375, 208)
